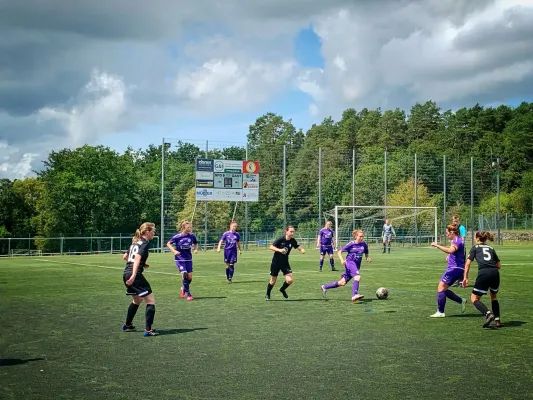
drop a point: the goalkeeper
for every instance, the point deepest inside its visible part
(386, 234)
(280, 261)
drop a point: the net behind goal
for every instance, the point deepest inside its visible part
(412, 225)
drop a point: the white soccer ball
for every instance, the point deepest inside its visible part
(382, 293)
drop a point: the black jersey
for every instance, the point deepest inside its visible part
(141, 247)
(283, 243)
(484, 255)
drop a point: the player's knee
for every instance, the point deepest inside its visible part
(493, 296)
(474, 298)
(137, 300)
(342, 282)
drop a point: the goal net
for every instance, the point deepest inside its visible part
(414, 226)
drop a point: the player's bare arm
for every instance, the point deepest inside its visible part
(135, 268)
(276, 249)
(219, 245)
(341, 258)
(173, 249)
(448, 250)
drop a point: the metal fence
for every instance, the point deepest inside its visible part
(300, 185)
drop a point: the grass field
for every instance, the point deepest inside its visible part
(61, 336)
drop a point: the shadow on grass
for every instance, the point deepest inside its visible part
(513, 324)
(300, 300)
(465, 315)
(177, 331)
(8, 362)
(243, 282)
(209, 297)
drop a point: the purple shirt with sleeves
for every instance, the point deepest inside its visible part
(230, 240)
(355, 252)
(457, 259)
(183, 244)
(326, 237)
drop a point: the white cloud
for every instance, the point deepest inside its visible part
(14, 163)
(93, 117)
(227, 85)
(416, 51)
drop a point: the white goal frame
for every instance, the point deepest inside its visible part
(337, 208)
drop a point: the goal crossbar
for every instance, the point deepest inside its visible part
(414, 213)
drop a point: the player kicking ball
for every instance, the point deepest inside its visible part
(280, 261)
(355, 249)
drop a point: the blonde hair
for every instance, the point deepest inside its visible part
(145, 227)
(356, 232)
(182, 224)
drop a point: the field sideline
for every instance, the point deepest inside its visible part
(61, 336)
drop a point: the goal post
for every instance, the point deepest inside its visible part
(412, 225)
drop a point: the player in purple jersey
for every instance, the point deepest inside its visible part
(325, 242)
(232, 243)
(355, 249)
(180, 245)
(455, 270)
(136, 284)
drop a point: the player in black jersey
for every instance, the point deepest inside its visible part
(488, 278)
(136, 284)
(280, 261)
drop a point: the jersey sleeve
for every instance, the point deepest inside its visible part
(295, 243)
(472, 255)
(194, 240)
(277, 243)
(238, 237)
(462, 231)
(144, 249)
(366, 249)
(223, 237)
(496, 258)
(346, 248)
(173, 240)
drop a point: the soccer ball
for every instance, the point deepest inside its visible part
(382, 293)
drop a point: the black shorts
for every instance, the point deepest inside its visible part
(487, 279)
(275, 268)
(140, 286)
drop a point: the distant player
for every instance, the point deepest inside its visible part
(136, 284)
(456, 219)
(232, 242)
(488, 278)
(356, 249)
(455, 269)
(325, 242)
(387, 233)
(180, 245)
(280, 261)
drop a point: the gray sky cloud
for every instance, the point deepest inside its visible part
(165, 59)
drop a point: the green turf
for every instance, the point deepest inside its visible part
(61, 336)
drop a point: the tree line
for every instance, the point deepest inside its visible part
(94, 190)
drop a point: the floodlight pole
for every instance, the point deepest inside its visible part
(246, 213)
(162, 227)
(319, 188)
(205, 205)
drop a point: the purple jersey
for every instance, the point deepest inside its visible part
(183, 242)
(326, 237)
(355, 252)
(457, 259)
(230, 240)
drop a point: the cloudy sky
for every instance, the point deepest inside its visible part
(129, 72)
